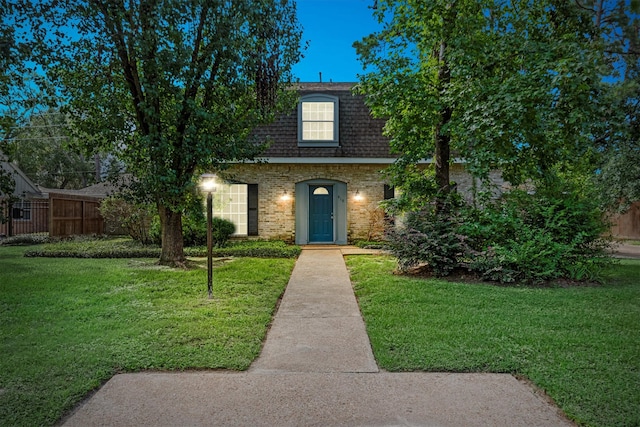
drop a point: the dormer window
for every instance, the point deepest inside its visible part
(318, 121)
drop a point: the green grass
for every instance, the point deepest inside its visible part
(581, 344)
(68, 325)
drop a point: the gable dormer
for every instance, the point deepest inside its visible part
(319, 121)
(348, 128)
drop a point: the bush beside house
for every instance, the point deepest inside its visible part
(524, 237)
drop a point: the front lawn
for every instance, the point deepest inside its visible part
(68, 325)
(580, 344)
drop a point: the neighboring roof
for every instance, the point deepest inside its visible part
(320, 87)
(100, 190)
(27, 188)
(96, 190)
(360, 134)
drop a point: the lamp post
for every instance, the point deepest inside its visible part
(208, 184)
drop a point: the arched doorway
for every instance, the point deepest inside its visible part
(321, 212)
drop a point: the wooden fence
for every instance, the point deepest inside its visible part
(25, 217)
(61, 215)
(627, 225)
(73, 215)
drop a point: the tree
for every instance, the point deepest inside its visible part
(9, 60)
(42, 149)
(173, 87)
(21, 89)
(619, 135)
(505, 85)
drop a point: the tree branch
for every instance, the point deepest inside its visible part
(583, 7)
(125, 54)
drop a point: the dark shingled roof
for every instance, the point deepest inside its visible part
(360, 134)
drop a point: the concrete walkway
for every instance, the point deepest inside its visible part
(318, 326)
(316, 369)
(626, 250)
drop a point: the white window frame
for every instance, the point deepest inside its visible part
(335, 142)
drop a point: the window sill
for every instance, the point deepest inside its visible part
(316, 144)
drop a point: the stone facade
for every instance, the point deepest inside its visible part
(277, 198)
(365, 190)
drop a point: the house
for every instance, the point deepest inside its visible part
(35, 210)
(24, 188)
(27, 208)
(320, 181)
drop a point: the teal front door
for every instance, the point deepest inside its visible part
(321, 214)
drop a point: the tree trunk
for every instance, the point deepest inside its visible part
(442, 139)
(442, 154)
(98, 167)
(172, 243)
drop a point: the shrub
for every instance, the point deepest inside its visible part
(155, 230)
(25, 239)
(523, 237)
(254, 249)
(135, 218)
(371, 244)
(563, 212)
(123, 248)
(429, 238)
(531, 257)
(144, 252)
(222, 229)
(95, 247)
(194, 231)
(552, 232)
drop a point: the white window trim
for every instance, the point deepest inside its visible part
(335, 142)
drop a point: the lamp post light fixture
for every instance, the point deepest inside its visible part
(208, 184)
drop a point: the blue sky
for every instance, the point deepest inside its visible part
(331, 27)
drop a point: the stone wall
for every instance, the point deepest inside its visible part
(365, 190)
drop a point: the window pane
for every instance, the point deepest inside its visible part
(317, 131)
(321, 191)
(230, 203)
(21, 210)
(317, 111)
(318, 121)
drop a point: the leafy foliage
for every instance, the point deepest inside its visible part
(258, 249)
(508, 85)
(26, 239)
(514, 86)
(22, 91)
(135, 218)
(7, 186)
(222, 229)
(43, 150)
(429, 236)
(618, 132)
(525, 237)
(172, 88)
